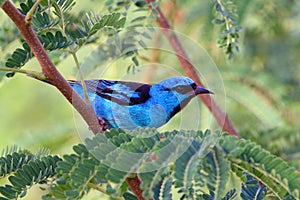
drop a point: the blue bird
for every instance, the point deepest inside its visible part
(128, 105)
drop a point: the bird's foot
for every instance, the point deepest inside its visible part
(103, 124)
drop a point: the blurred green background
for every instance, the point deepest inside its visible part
(261, 83)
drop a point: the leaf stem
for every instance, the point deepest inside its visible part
(38, 75)
(102, 190)
(228, 25)
(31, 12)
(86, 97)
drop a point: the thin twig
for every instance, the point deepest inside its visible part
(34, 74)
(86, 97)
(220, 116)
(100, 189)
(73, 51)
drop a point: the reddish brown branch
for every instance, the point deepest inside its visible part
(135, 184)
(220, 116)
(48, 68)
(57, 80)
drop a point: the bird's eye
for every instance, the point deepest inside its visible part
(182, 89)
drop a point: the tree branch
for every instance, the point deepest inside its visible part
(48, 69)
(135, 184)
(55, 78)
(220, 116)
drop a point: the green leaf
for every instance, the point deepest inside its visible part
(272, 171)
(225, 13)
(110, 20)
(185, 166)
(129, 196)
(63, 7)
(231, 194)
(252, 189)
(29, 173)
(217, 169)
(53, 42)
(42, 21)
(14, 158)
(166, 188)
(18, 58)
(25, 7)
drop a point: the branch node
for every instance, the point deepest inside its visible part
(30, 13)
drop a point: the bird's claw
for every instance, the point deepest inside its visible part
(103, 124)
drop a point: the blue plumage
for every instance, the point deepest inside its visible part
(128, 105)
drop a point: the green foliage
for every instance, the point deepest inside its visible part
(226, 17)
(216, 172)
(55, 41)
(25, 169)
(18, 58)
(56, 31)
(62, 8)
(109, 24)
(180, 163)
(231, 194)
(272, 171)
(252, 189)
(124, 44)
(283, 142)
(195, 164)
(74, 173)
(12, 161)
(58, 28)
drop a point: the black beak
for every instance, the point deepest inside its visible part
(200, 90)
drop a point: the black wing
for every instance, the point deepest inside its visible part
(121, 92)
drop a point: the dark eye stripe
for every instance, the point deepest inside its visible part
(183, 88)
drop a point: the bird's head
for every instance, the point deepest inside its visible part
(175, 93)
(180, 85)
